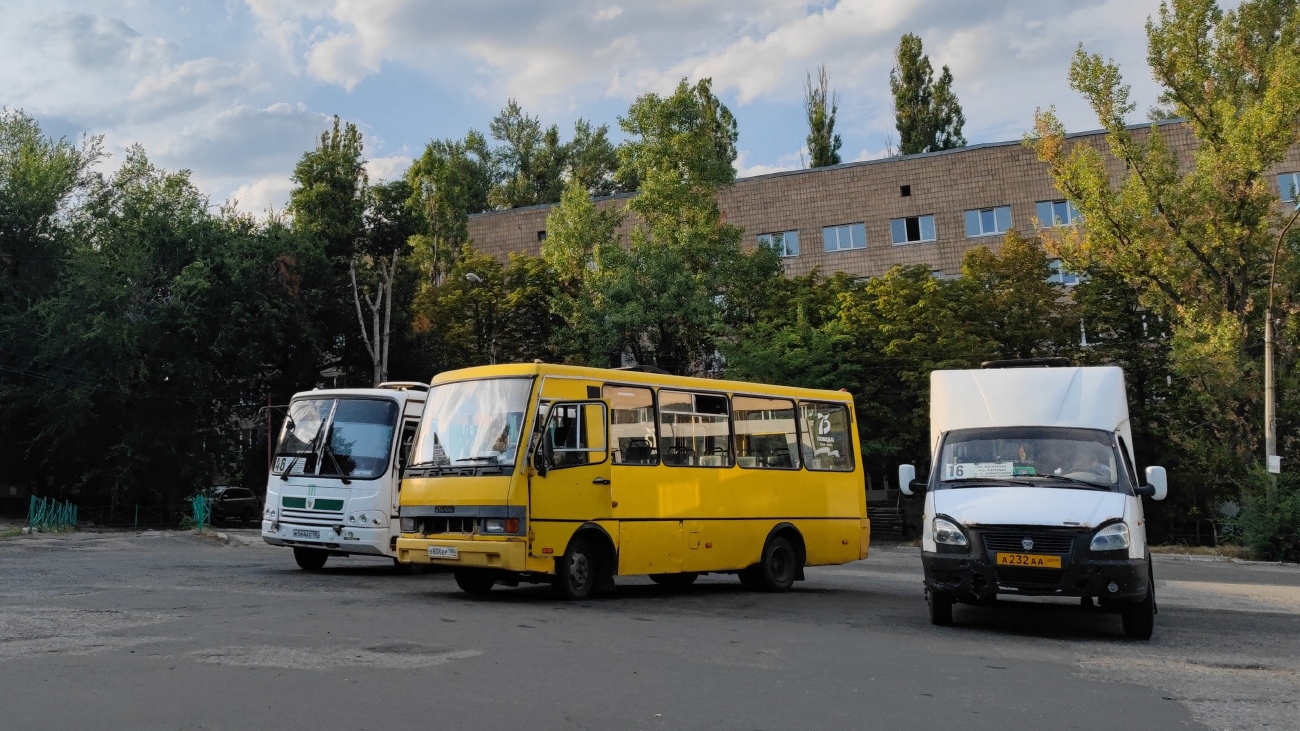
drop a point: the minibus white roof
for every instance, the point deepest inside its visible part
(388, 393)
(1091, 398)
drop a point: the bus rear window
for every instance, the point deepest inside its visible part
(825, 438)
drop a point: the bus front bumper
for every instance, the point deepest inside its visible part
(974, 578)
(504, 555)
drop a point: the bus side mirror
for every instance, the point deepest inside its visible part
(906, 476)
(540, 463)
(1158, 483)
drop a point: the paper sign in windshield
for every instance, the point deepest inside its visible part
(966, 470)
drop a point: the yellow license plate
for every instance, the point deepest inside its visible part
(1032, 560)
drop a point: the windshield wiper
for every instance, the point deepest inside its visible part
(490, 458)
(1074, 480)
(330, 451)
(975, 481)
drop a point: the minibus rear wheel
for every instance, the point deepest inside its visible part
(776, 568)
(477, 583)
(310, 559)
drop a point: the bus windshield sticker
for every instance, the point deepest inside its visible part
(963, 470)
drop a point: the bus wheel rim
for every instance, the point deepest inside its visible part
(578, 570)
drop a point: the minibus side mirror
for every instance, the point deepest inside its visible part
(907, 481)
(540, 463)
(1157, 485)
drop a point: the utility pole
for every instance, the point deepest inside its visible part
(1270, 387)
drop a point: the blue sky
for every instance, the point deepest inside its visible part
(236, 90)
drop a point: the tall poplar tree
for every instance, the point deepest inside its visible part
(926, 113)
(821, 104)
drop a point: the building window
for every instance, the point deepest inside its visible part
(1287, 185)
(912, 229)
(785, 243)
(1061, 275)
(541, 235)
(843, 238)
(988, 221)
(905, 191)
(1057, 213)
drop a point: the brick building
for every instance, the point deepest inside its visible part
(864, 217)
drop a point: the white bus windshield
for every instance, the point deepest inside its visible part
(1032, 456)
(347, 437)
(471, 423)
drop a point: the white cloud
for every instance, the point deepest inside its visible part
(792, 161)
(609, 13)
(387, 168)
(262, 196)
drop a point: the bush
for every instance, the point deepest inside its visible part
(1271, 526)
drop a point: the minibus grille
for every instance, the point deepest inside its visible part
(1014, 542)
(434, 526)
(311, 517)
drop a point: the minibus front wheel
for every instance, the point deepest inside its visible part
(310, 559)
(473, 582)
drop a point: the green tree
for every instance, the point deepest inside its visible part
(451, 180)
(820, 104)
(532, 163)
(575, 230)
(1012, 304)
(685, 280)
(1195, 243)
(329, 197)
(170, 322)
(926, 113)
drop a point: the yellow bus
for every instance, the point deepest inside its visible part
(571, 476)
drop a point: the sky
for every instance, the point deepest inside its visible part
(237, 90)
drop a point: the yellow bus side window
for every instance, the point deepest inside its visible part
(694, 429)
(825, 438)
(632, 425)
(765, 436)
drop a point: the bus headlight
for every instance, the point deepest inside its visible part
(1113, 537)
(947, 533)
(408, 525)
(494, 525)
(368, 519)
(269, 513)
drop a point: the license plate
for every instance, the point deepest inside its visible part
(1032, 560)
(444, 552)
(306, 534)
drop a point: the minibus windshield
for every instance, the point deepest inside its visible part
(472, 423)
(349, 437)
(1031, 456)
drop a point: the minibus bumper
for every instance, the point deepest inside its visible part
(505, 555)
(358, 541)
(974, 578)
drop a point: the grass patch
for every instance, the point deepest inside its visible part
(1226, 551)
(10, 532)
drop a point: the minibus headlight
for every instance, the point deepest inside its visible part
(368, 519)
(1113, 537)
(269, 513)
(494, 525)
(947, 533)
(408, 525)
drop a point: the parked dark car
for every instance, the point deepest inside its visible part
(234, 503)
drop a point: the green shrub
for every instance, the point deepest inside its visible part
(1270, 527)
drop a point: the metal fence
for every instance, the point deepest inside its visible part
(46, 514)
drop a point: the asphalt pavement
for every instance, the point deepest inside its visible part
(168, 630)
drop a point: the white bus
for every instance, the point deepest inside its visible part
(337, 469)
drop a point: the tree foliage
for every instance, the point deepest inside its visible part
(1195, 243)
(926, 112)
(820, 105)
